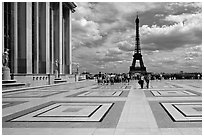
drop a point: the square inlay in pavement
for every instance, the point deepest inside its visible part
(102, 93)
(32, 94)
(63, 112)
(60, 114)
(172, 93)
(115, 86)
(177, 114)
(184, 111)
(162, 86)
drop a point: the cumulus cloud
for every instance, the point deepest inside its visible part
(125, 46)
(113, 52)
(186, 31)
(104, 33)
(85, 32)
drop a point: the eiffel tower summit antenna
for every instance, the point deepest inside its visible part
(137, 37)
(137, 54)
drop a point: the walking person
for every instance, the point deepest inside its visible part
(141, 81)
(112, 79)
(108, 79)
(99, 78)
(147, 79)
(103, 79)
(128, 78)
(120, 78)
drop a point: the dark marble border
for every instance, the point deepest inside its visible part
(123, 94)
(36, 96)
(164, 119)
(109, 120)
(176, 86)
(148, 93)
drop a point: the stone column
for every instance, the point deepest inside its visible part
(22, 38)
(63, 46)
(3, 27)
(29, 37)
(52, 41)
(66, 42)
(60, 36)
(42, 38)
(70, 42)
(47, 37)
(15, 37)
(68, 48)
(37, 37)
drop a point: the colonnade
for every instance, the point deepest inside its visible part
(37, 34)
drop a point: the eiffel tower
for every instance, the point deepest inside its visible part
(140, 68)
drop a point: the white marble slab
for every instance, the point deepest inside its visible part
(189, 110)
(44, 114)
(172, 93)
(70, 111)
(31, 94)
(102, 93)
(178, 113)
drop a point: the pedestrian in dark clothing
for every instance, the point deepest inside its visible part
(128, 78)
(100, 78)
(147, 79)
(141, 81)
(112, 79)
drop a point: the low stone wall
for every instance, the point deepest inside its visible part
(40, 79)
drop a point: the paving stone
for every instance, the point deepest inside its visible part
(129, 110)
(170, 131)
(171, 93)
(190, 131)
(184, 111)
(104, 131)
(137, 131)
(87, 112)
(48, 131)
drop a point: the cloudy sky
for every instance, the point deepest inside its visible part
(103, 36)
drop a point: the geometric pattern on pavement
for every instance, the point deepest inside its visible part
(32, 94)
(184, 111)
(102, 93)
(170, 93)
(6, 104)
(164, 86)
(67, 112)
(166, 118)
(115, 86)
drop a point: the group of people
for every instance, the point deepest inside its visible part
(113, 78)
(143, 78)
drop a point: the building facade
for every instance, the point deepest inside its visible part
(38, 36)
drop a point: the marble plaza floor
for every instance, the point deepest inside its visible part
(85, 108)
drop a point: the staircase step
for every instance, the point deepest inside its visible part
(13, 84)
(59, 81)
(8, 81)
